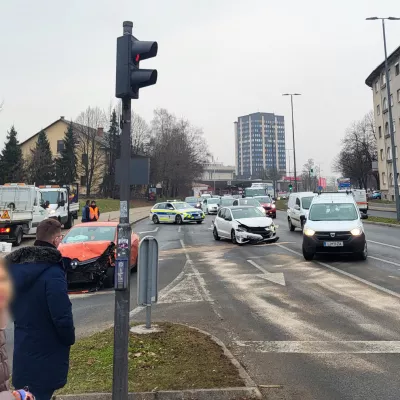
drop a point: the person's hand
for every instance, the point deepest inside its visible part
(23, 395)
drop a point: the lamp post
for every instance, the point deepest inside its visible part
(294, 147)
(391, 130)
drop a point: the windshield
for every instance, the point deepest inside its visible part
(249, 202)
(306, 202)
(51, 197)
(90, 234)
(227, 202)
(333, 212)
(264, 199)
(180, 206)
(191, 200)
(254, 192)
(248, 212)
(213, 201)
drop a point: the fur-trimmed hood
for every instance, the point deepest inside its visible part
(28, 263)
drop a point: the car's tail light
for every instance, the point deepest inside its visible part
(5, 230)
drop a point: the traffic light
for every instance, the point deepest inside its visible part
(130, 78)
(290, 188)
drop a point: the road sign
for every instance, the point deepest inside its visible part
(147, 278)
(344, 183)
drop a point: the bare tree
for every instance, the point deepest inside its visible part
(140, 134)
(90, 135)
(309, 179)
(358, 152)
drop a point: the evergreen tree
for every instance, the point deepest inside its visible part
(66, 165)
(113, 140)
(11, 161)
(41, 165)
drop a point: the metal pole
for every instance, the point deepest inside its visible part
(149, 290)
(122, 296)
(391, 131)
(294, 146)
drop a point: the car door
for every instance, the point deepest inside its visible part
(39, 213)
(171, 212)
(228, 222)
(162, 212)
(296, 213)
(220, 222)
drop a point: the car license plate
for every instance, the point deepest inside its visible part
(333, 244)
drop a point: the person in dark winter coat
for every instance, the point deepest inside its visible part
(43, 325)
(85, 212)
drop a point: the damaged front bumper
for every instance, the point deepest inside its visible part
(93, 270)
(265, 235)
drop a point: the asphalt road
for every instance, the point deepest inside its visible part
(327, 329)
(384, 214)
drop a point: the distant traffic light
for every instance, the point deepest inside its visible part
(130, 78)
(290, 187)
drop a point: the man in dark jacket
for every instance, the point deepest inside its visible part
(43, 324)
(85, 212)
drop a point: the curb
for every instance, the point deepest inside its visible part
(382, 224)
(250, 391)
(195, 394)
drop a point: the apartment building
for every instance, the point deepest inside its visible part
(259, 144)
(377, 82)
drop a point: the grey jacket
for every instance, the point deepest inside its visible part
(4, 370)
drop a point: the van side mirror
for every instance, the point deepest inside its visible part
(297, 207)
(364, 216)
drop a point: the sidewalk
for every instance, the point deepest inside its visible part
(135, 214)
(388, 209)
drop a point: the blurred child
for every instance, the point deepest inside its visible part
(5, 296)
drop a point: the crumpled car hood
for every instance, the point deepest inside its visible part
(83, 251)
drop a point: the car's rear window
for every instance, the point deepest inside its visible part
(80, 234)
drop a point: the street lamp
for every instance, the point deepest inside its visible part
(294, 147)
(391, 130)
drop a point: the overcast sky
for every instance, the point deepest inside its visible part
(217, 60)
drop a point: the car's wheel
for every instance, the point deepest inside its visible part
(234, 239)
(215, 233)
(109, 281)
(155, 219)
(70, 223)
(302, 224)
(364, 254)
(179, 220)
(308, 256)
(291, 226)
(18, 237)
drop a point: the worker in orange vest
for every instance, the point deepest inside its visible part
(94, 212)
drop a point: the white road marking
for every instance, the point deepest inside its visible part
(385, 261)
(375, 286)
(384, 244)
(179, 229)
(321, 347)
(154, 230)
(275, 277)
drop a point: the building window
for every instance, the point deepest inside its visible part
(385, 106)
(378, 109)
(386, 128)
(397, 69)
(391, 179)
(60, 146)
(383, 80)
(84, 159)
(398, 95)
(83, 180)
(381, 154)
(383, 178)
(391, 100)
(389, 154)
(394, 126)
(380, 131)
(377, 86)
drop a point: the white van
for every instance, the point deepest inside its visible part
(360, 197)
(298, 206)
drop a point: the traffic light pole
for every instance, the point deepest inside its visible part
(122, 284)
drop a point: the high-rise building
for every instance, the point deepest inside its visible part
(259, 145)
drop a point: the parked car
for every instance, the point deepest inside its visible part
(91, 251)
(244, 224)
(377, 195)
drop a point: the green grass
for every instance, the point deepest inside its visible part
(108, 205)
(281, 205)
(176, 359)
(383, 219)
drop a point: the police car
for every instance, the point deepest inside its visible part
(176, 212)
